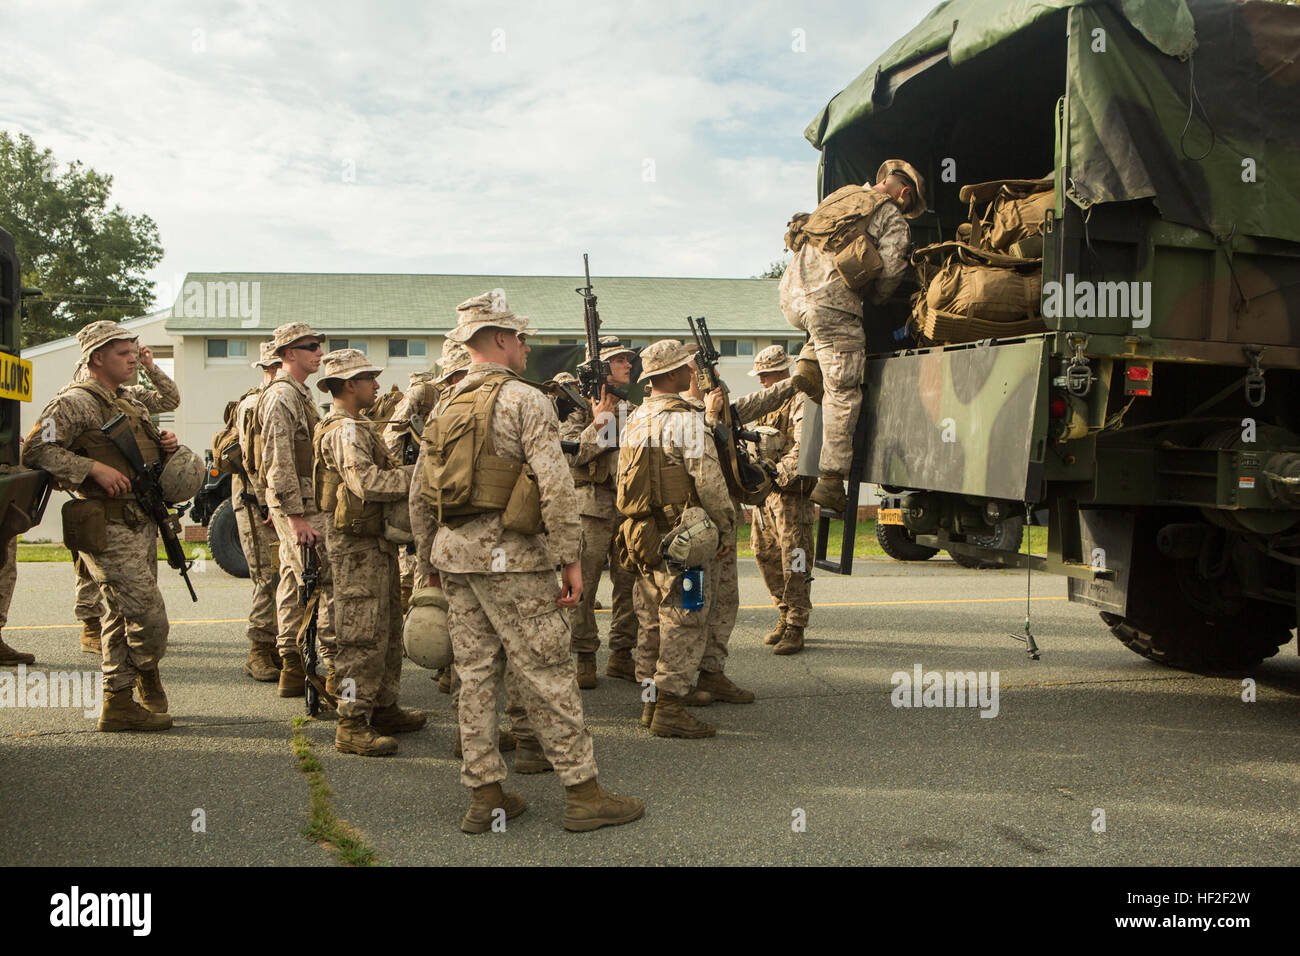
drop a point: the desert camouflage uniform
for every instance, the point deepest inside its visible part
(134, 635)
(367, 590)
(815, 299)
(673, 640)
(8, 579)
(501, 588)
(257, 538)
(725, 603)
(416, 404)
(783, 539)
(600, 520)
(288, 415)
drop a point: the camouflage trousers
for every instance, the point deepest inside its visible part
(783, 551)
(90, 602)
(260, 545)
(672, 639)
(289, 613)
(519, 722)
(597, 541)
(839, 344)
(406, 563)
(723, 606)
(8, 579)
(134, 630)
(511, 619)
(367, 621)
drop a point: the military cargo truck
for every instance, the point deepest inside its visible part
(1154, 425)
(23, 492)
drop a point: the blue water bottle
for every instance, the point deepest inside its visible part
(692, 589)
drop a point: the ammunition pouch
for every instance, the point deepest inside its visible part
(523, 511)
(642, 539)
(84, 526)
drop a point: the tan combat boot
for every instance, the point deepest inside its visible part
(530, 758)
(121, 712)
(331, 680)
(262, 663)
(671, 720)
(791, 642)
(354, 735)
(647, 713)
(775, 636)
(152, 696)
(586, 670)
(394, 720)
(506, 742)
(697, 698)
(91, 636)
(621, 665)
(808, 378)
(829, 492)
(721, 687)
(587, 807)
(478, 818)
(444, 680)
(292, 675)
(9, 655)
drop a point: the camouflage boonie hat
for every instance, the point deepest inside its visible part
(454, 358)
(774, 358)
(610, 345)
(565, 378)
(919, 202)
(344, 364)
(291, 332)
(267, 357)
(97, 334)
(486, 311)
(664, 356)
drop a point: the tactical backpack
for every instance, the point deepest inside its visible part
(382, 409)
(838, 226)
(227, 455)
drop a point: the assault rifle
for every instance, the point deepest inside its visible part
(748, 478)
(593, 372)
(309, 597)
(148, 495)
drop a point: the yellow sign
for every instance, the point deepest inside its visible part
(889, 516)
(15, 377)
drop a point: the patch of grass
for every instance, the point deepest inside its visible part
(325, 827)
(57, 552)
(865, 545)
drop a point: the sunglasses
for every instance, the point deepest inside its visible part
(312, 347)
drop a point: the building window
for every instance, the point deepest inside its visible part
(358, 344)
(568, 342)
(227, 348)
(728, 348)
(745, 347)
(406, 349)
(639, 344)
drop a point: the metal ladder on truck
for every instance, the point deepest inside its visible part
(810, 439)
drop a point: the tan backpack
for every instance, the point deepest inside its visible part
(838, 226)
(227, 455)
(382, 409)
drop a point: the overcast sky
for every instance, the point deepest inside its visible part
(663, 138)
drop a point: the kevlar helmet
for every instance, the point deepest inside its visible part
(768, 446)
(397, 522)
(692, 541)
(425, 636)
(182, 476)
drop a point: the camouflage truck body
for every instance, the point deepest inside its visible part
(23, 492)
(1156, 421)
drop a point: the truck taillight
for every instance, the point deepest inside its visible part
(1138, 378)
(1057, 408)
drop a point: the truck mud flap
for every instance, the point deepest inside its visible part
(1106, 537)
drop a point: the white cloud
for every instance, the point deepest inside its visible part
(465, 159)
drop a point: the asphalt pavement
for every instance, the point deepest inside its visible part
(1089, 756)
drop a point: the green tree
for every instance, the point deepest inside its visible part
(774, 271)
(89, 259)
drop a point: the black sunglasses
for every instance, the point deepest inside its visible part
(313, 347)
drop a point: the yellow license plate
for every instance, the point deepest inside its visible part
(15, 377)
(889, 516)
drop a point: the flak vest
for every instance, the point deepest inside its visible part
(352, 515)
(838, 227)
(302, 448)
(94, 444)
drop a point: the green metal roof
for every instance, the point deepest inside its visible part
(365, 302)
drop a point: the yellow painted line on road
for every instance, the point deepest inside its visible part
(743, 607)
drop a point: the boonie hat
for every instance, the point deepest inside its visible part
(344, 364)
(774, 358)
(664, 356)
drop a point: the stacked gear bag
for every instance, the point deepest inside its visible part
(988, 282)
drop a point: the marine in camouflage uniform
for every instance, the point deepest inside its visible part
(782, 535)
(725, 604)
(66, 441)
(257, 537)
(674, 639)
(816, 300)
(504, 603)
(595, 473)
(286, 417)
(355, 477)
(402, 434)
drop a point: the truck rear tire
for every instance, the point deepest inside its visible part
(1007, 537)
(897, 542)
(1221, 645)
(223, 541)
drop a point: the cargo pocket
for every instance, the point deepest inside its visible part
(544, 628)
(356, 606)
(85, 529)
